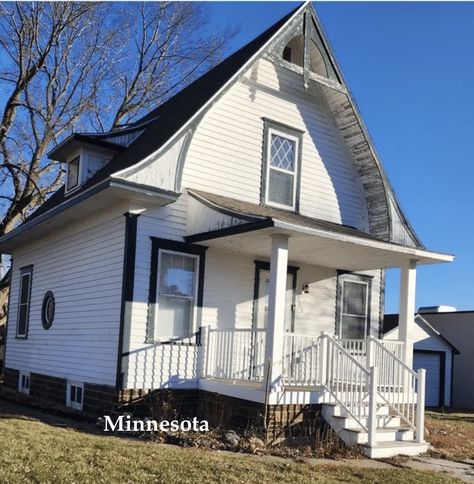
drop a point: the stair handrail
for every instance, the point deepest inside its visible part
(328, 368)
(410, 408)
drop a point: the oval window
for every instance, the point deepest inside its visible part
(47, 310)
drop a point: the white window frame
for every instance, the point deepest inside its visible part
(79, 173)
(71, 403)
(367, 309)
(192, 328)
(24, 376)
(27, 271)
(295, 174)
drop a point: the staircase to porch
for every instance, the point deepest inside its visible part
(369, 396)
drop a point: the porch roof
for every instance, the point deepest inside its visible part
(312, 241)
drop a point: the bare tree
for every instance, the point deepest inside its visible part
(89, 67)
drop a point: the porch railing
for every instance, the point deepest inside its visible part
(358, 374)
(235, 354)
(400, 387)
(346, 379)
(300, 360)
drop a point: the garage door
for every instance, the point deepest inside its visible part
(431, 362)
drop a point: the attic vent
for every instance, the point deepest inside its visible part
(287, 54)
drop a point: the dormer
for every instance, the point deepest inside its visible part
(82, 156)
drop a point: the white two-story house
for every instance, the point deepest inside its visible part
(230, 248)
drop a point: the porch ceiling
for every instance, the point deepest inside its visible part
(318, 247)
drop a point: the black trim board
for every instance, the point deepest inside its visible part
(158, 244)
(128, 279)
(442, 373)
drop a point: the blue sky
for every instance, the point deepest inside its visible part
(410, 69)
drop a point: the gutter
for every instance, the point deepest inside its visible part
(71, 202)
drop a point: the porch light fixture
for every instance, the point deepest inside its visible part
(305, 288)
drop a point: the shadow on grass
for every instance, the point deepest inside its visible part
(11, 410)
(451, 415)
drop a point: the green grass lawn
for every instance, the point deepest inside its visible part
(33, 451)
(451, 434)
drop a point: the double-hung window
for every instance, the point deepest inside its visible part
(176, 294)
(281, 167)
(26, 276)
(354, 307)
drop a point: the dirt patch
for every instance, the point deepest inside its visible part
(451, 434)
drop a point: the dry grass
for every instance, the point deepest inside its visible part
(33, 451)
(451, 434)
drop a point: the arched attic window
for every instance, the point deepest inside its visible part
(294, 53)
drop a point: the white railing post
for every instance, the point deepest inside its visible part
(323, 358)
(276, 306)
(369, 352)
(372, 422)
(420, 406)
(205, 339)
(406, 320)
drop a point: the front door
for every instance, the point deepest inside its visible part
(262, 301)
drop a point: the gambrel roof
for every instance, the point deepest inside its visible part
(157, 130)
(165, 121)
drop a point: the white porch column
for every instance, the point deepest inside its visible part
(407, 307)
(276, 306)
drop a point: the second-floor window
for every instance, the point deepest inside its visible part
(73, 174)
(281, 167)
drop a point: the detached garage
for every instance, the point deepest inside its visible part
(432, 352)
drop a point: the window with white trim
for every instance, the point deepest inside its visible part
(176, 294)
(26, 276)
(354, 307)
(75, 395)
(73, 171)
(281, 167)
(24, 381)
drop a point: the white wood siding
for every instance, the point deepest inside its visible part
(83, 267)
(155, 365)
(225, 154)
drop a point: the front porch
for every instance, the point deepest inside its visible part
(369, 392)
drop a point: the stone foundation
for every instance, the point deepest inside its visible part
(277, 421)
(50, 391)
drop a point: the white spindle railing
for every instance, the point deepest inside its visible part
(356, 347)
(235, 354)
(300, 360)
(400, 386)
(394, 346)
(346, 379)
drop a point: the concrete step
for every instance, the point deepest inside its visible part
(383, 450)
(338, 411)
(382, 421)
(390, 434)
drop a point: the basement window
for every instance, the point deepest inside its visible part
(24, 382)
(75, 395)
(72, 180)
